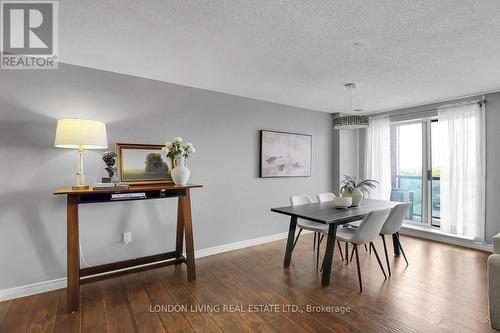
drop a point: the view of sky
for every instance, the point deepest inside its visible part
(410, 148)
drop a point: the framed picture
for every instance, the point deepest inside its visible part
(285, 154)
(141, 164)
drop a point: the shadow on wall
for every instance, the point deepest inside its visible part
(23, 212)
(32, 239)
(28, 130)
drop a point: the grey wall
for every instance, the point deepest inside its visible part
(335, 183)
(349, 153)
(492, 165)
(233, 206)
(492, 155)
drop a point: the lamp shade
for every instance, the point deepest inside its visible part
(75, 133)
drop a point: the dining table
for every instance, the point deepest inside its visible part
(327, 213)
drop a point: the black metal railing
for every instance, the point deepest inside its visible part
(409, 189)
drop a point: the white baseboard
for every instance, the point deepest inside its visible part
(41, 287)
(240, 245)
(32, 289)
(444, 238)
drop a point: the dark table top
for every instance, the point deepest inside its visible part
(327, 213)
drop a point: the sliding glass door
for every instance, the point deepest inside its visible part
(415, 169)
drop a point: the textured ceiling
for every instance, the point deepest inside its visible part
(294, 52)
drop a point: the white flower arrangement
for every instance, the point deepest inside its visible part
(175, 148)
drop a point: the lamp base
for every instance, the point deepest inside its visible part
(80, 187)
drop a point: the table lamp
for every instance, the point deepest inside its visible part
(81, 134)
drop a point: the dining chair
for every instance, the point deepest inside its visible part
(318, 228)
(392, 226)
(326, 197)
(367, 231)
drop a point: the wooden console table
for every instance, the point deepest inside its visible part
(77, 276)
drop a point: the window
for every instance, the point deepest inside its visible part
(415, 169)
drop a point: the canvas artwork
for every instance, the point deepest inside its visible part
(285, 154)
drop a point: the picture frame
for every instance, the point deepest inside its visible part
(285, 154)
(142, 164)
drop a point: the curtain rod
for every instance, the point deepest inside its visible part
(480, 102)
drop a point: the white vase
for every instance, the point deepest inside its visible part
(170, 165)
(180, 173)
(356, 196)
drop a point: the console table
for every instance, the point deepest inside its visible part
(77, 276)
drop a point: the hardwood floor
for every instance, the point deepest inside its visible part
(443, 290)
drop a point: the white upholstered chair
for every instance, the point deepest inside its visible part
(392, 226)
(366, 233)
(494, 283)
(325, 197)
(317, 228)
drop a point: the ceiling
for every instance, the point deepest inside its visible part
(299, 53)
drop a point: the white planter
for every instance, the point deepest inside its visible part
(356, 196)
(180, 173)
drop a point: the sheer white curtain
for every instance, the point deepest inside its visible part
(378, 157)
(461, 139)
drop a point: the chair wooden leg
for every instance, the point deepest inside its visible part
(346, 253)
(386, 255)
(401, 248)
(296, 239)
(352, 255)
(340, 250)
(355, 249)
(366, 248)
(314, 242)
(378, 259)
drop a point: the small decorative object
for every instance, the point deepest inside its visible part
(285, 154)
(178, 153)
(351, 187)
(342, 202)
(81, 134)
(109, 158)
(140, 164)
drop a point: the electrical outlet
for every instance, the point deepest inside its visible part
(126, 237)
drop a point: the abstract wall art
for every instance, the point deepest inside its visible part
(285, 154)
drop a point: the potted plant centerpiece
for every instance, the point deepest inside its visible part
(177, 154)
(351, 187)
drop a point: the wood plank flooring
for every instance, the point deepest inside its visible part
(442, 290)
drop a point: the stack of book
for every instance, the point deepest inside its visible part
(110, 186)
(124, 196)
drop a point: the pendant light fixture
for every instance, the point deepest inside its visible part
(350, 121)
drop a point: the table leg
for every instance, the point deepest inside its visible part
(328, 259)
(188, 228)
(290, 241)
(395, 245)
(73, 255)
(179, 242)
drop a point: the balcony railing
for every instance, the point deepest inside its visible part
(409, 188)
